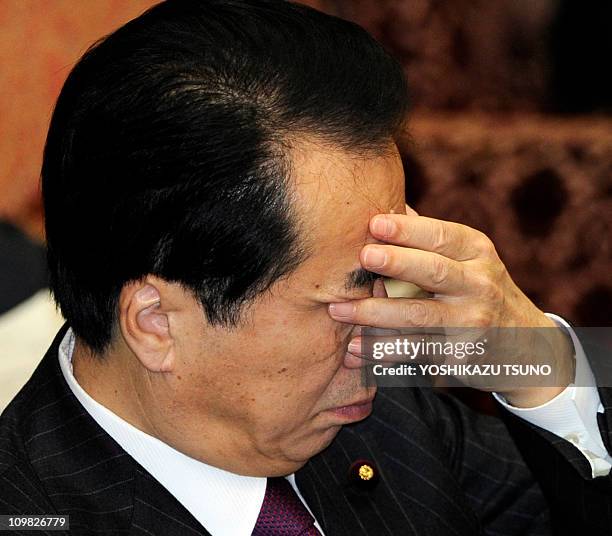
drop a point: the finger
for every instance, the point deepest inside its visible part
(430, 271)
(379, 290)
(393, 313)
(356, 362)
(410, 211)
(352, 358)
(450, 239)
(353, 361)
(415, 346)
(402, 289)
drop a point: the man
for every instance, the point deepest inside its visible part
(210, 179)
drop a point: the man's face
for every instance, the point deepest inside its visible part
(265, 397)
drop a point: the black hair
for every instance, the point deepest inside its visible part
(167, 152)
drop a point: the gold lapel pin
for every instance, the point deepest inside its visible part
(363, 473)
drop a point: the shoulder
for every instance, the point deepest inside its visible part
(21, 488)
(21, 491)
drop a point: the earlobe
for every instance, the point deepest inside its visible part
(146, 328)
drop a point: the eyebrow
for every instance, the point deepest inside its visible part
(360, 278)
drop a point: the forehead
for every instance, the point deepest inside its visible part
(335, 195)
(336, 192)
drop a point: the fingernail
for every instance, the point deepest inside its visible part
(380, 225)
(374, 257)
(341, 310)
(354, 346)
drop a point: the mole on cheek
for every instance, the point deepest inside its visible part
(281, 371)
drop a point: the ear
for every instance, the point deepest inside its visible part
(144, 323)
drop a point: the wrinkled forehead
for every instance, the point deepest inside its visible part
(337, 193)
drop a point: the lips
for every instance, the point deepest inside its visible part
(354, 411)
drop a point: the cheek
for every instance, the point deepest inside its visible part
(278, 373)
(302, 364)
(311, 340)
(322, 340)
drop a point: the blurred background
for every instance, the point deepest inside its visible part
(511, 133)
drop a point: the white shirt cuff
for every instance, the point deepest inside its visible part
(572, 414)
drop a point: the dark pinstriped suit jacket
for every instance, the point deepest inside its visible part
(444, 471)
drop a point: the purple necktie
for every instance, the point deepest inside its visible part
(283, 513)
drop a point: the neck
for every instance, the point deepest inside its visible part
(112, 381)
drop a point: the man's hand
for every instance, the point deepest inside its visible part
(470, 285)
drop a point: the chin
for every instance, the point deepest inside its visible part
(297, 456)
(318, 443)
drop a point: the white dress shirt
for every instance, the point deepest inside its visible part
(227, 504)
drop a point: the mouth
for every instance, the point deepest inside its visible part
(354, 411)
(360, 408)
